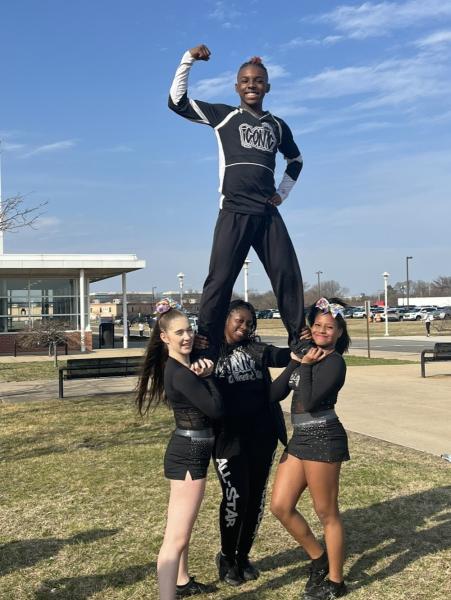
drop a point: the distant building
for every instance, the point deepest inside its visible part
(37, 287)
(431, 301)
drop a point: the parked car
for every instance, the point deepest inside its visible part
(359, 312)
(275, 314)
(348, 312)
(393, 314)
(442, 313)
(264, 314)
(419, 313)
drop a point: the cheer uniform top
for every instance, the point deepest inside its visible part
(244, 381)
(248, 144)
(196, 403)
(317, 432)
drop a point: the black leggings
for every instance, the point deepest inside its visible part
(234, 235)
(242, 464)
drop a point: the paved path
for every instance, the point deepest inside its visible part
(392, 403)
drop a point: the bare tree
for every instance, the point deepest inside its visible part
(48, 333)
(441, 286)
(14, 214)
(329, 289)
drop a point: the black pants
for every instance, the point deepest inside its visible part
(242, 464)
(234, 235)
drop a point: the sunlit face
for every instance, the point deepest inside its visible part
(252, 85)
(325, 331)
(238, 326)
(178, 336)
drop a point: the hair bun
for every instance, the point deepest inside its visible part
(255, 60)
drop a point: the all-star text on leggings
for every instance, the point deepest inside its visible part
(242, 464)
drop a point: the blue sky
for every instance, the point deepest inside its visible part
(365, 87)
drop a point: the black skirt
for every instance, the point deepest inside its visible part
(185, 454)
(325, 441)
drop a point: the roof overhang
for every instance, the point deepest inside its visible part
(96, 266)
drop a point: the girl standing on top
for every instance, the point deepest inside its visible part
(249, 139)
(317, 448)
(195, 400)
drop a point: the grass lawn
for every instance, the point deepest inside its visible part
(30, 371)
(83, 509)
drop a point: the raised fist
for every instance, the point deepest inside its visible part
(200, 52)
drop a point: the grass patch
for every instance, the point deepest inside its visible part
(84, 498)
(364, 361)
(28, 371)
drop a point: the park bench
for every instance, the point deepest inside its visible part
(441, 351)
(86, 368)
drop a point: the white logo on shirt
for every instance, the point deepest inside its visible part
(239, 366)
(260, 137)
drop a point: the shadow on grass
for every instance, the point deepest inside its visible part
(137, 435)
(25, 553)
(401, 531)
(85, 586)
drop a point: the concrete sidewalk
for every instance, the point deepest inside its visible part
(389, 402)
(394, 403)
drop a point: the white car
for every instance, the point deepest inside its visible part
(275, 314)
(359, 313)
(418, 313)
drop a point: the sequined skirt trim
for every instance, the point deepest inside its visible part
(325, 441)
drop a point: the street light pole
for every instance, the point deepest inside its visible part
(247, 262)
(386, 275)
(181, 277)
(319, 273)
(407, 275)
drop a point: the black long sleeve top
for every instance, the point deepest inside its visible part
(248, 145)
(243, 377)
(315, 387)
(196, 401)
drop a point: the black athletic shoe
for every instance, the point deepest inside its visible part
(327, 590)
(192, 588)
(301, 347)
(228, 570)
(247, 570)
(316, 575)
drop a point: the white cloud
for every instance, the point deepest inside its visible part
(48, 223)
(437, 38)
(376, 19)
(205, 89)
(297, 42)
(11, 147)
(225, 13)
(55, 147)
(397, 82)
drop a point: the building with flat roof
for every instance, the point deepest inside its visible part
(37, 287)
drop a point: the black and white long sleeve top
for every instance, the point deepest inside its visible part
(315, 386)
(195, 400)
(248, 145)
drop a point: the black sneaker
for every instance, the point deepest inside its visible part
(247, 570)
(316, 575)
(228, 570)
(192, 588)
(327, 590)
(301, 347)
